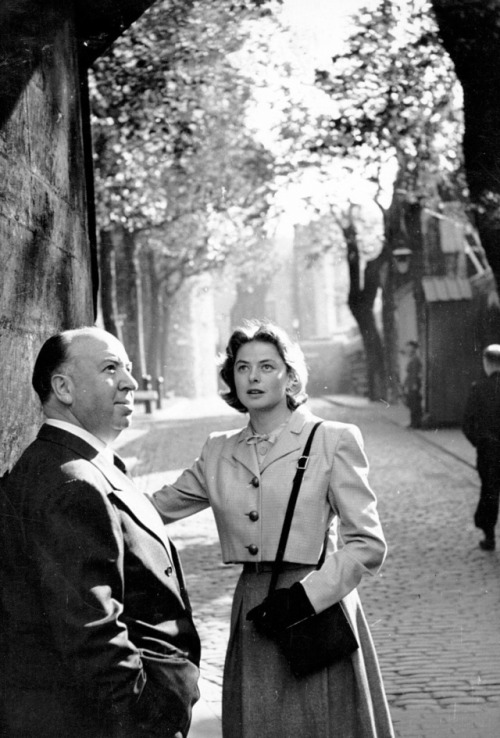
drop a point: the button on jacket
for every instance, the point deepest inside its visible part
(250, 516)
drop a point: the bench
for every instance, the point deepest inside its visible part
(147, 395)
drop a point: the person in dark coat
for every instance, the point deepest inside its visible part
(481, 426)
(412, 386)
(99, 640)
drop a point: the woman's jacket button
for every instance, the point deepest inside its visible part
(255, 482)
(253, 515)
(253, 549)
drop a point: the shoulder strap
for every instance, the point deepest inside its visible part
(301, 467)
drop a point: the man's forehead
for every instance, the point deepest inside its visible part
(97, 347)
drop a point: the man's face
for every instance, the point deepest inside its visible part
(100, 384)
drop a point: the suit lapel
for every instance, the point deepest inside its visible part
(136, 502)
(244, 453)
(289, 440)
(122, 486)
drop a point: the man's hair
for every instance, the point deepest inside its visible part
(290, 352)
(492, 354)
(52, 356)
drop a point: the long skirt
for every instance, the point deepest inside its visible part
(263, 699)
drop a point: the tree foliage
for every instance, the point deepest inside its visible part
(397, 96)
(177, 170)
(169, 120)
(396, 103)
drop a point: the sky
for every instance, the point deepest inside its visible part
(319, 28)
(323, 23)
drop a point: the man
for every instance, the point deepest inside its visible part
(481, 425)
(99, 637)
(413, 385)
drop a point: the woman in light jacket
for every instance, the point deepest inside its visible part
(246, 477)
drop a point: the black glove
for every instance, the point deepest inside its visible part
(281, 609)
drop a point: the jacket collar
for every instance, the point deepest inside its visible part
(289, 440)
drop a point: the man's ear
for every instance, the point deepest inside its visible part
(62, 387)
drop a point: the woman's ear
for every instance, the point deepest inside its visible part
(292, 380)
(62, 387)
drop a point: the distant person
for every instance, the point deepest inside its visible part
(412, 385)
(98, 636)
(246, 477)
(481, 425)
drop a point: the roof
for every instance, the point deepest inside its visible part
(27, 35)
(100, 22)
(446, 289)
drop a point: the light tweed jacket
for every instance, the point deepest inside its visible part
(249, 504)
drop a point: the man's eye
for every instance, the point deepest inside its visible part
(111, 368)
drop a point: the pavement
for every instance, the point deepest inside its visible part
(434, 608)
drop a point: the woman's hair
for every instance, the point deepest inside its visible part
(290, 352)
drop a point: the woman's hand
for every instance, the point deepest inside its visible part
(281, 609)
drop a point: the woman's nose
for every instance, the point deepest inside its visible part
(254, 374)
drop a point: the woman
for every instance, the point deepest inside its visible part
(246, 477)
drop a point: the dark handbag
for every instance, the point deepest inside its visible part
(319, 640)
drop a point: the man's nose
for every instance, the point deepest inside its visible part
(128, 382)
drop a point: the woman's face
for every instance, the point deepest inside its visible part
(260, 376)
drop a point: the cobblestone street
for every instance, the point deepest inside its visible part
(434, 609)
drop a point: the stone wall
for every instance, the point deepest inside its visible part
(44, 242)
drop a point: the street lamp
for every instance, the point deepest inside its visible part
(402, 259)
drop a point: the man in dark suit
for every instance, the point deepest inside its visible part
(481, 425)
(98, 636)
(412, 386)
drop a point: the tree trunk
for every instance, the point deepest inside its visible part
(132, 307)
(109, 304)
(164, 347)
(155, 327)
(470, 30)
(362, 293)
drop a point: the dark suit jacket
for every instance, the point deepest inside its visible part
(481, 423)
(98, 632)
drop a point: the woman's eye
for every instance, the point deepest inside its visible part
(241, 368)
(267, 367)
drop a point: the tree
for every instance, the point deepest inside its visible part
(179, 176)
(396, 101)
(470, 30)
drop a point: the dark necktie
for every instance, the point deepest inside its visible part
(120, 464)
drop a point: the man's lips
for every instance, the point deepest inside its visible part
(127, 405)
